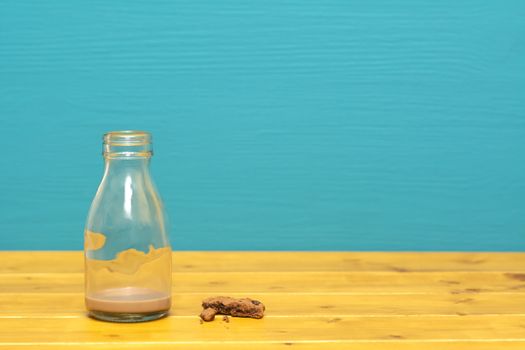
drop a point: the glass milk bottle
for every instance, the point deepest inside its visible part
(127, 252)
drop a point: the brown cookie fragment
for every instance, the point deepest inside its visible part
(244, 307)
(208, 314)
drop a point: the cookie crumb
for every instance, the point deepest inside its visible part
(225, 319)
(208, 314)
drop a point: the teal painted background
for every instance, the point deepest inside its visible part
(361, 125)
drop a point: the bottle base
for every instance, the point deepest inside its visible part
(122, 317)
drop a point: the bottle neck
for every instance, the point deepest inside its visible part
(127, 154)
(127, 166)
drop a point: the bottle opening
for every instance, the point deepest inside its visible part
(127, 143)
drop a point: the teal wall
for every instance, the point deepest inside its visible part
(361, 125)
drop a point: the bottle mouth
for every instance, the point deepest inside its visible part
(127, 144)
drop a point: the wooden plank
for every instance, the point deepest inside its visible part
(72, 261)
(190, 330)
(280, 345)
(59, 305)
(297, 282)
(381, 308)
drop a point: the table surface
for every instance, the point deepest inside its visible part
(321, 300)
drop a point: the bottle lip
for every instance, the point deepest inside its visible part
(127, 138)
(127, 144)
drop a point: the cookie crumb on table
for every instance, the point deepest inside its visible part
(208, 314)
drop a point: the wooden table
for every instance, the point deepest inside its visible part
(314, 301)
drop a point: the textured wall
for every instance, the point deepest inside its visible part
(365, 125)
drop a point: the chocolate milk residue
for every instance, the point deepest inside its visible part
(128, 300)
(128, 283)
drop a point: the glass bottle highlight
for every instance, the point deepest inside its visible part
(126, 248)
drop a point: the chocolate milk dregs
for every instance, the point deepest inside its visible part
(129, 300)
(125, 286)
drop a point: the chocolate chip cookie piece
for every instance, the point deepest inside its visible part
(244, 307)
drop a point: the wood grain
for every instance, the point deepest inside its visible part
(315, 329)
(307, 345)
(58, 304)
(293, 282)
(310, 345)
(447, 301)
(70, 262)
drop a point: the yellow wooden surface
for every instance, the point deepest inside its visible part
(377, 301)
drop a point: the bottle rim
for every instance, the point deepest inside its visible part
(127, 144)
(127, 138)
